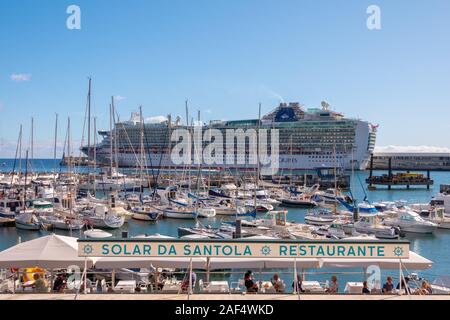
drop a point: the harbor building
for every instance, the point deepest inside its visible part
(411, 161)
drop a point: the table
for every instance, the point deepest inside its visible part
(171, 286)
(312, 286)
(126, 286)
(354, 287)
(217, 287)
(267, 287)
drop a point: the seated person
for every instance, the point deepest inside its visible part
(185, 283)
(405, 287)
(298, 283)
(365, 289)
(424, 289)
(60, 283)
(250, 285)
(388, 286)
(157, 280)
(40, 285)
(277, 283)
(333, 287)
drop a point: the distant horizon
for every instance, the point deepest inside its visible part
(378, 149)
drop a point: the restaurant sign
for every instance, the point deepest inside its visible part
(243, 249)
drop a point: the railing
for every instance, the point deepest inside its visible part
(177, 282)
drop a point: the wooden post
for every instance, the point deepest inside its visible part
(295, 277)
(400, 277)
(190, 278)
(85, 276)
(113, 278)
(208, 261)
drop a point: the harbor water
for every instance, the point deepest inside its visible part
(435, 247)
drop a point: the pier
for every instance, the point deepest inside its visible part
(407, 179)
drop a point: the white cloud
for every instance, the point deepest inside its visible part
(119, 98)
(20, 77)
(208, 111)
(156, 119)
(412, 149)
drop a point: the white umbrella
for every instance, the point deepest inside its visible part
(52, 251)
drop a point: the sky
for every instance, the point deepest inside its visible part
(224, 57)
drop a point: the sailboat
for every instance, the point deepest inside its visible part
(28, 221)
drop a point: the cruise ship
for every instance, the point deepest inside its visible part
(308, 139)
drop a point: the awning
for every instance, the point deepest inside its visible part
(414, 262)
(52, 252)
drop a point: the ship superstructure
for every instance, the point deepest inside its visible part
(308, 139)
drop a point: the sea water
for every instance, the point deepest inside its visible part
(434, 247)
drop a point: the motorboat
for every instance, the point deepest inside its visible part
(146, 213)
(152, 236)
(97, 234)
(260, 206)
(363, 207)
(206, 212)
(409, 221)
(224, 207)
(99, 217)
(438, 217)
(318, 220)
(62, 223)
(177, 212)
(28, 221)
(300, 201)
(195, 237)
(199, 231)
(371, 224)
(8, 208)
(330, 196)
(337, 230)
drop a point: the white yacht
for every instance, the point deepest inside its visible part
(409, 221)
(371, 224)
(99, 217)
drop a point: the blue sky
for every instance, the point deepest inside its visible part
(225, 57)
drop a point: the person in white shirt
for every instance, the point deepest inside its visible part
(277, 283)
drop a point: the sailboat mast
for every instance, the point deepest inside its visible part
(257, 153)
(25, 182)
(20, 150)
(110, 140)
(69, 164)
(32, 138)
(54, 156)
(95, 153)
(89, 118)
(116, 159)
(141, 118)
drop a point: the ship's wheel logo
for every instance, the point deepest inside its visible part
(87, 249)
(265, 250)
(398, 251)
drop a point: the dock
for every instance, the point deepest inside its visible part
(390, 179)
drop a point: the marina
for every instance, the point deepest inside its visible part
(224, 159)
(325, 220)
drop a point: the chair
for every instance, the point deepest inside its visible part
(237, 287)
(202, 285)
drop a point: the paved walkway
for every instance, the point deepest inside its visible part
(203, 297)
